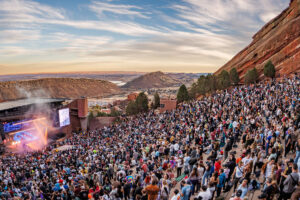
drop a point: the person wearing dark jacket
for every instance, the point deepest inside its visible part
(227, 148)
(290, 184)
(271, 189)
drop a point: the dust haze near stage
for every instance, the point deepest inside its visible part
(32, 137)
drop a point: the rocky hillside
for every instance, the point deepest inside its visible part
(278, 41)
(152, 80)
(56, 88)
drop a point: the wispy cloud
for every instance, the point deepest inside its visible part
(101, 7)
(194, 35)
(28, 8)
(21, 13)
(18, 35)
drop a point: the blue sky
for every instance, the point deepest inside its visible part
(127, 35)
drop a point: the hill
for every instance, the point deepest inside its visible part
(152, 80)
(56, 88)
(109, 76)
(278, 41)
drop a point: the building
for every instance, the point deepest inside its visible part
(167, 105)
(25, 111)
(79, 114)
(132, 96)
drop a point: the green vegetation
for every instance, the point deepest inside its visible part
(211, 83)
(269, 70)
(96, 112)
(234, 76)
(251, 76)
(182, 94)
(139, 105)
(131, 108)
(156, 103)
(142, 102)
(224, 80)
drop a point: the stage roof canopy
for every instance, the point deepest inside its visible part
(26, 102)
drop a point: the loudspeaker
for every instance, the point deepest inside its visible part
(2, 134)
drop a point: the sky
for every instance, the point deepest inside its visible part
(127, 35)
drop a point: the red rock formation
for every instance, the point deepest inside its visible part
(278, 41)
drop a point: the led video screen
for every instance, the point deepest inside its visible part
(64, 117)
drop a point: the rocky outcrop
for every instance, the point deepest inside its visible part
(56, 88)
(152, 80)
(278, 41)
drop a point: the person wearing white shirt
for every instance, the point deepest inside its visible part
(176, 196)
(205, 193)
(176, 147)
(269, 168)
(247, 159)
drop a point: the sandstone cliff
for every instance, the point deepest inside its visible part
(56, 88)
(278, 41)
(152, 80)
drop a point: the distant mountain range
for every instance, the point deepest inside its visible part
(120, 78)
(90, 84)
(56, 88)
(152, 80)
(109, 76)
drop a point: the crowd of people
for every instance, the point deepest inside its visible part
(233, 142)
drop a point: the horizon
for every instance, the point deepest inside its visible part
(101, 72)
(184, 36)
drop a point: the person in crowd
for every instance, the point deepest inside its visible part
(149, 155)
(152, 190)
(270, 190)
(290, 184)
(237, 196)
(221, 182)
(176, 195)
(185, 190)
(205, 194)
(244, 188)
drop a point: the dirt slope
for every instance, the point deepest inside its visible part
(152, 80)
(56, 88)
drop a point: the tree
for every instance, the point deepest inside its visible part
(255, 74)
(269, 70)
(224, 80)
(156, 100)
(142, 102)
(182, 94)
(204, 85)
(251, 76)
(131, 108)
(114, 112)
(234, 76)
(193, 90)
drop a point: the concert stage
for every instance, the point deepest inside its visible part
(31, 124)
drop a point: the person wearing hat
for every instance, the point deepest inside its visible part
(237, 196)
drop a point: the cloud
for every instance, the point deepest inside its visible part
(101, 7)
(15, 35)
(21, 13)
(229, 15)
(27, 8)
(189, 35)
(15, 51)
